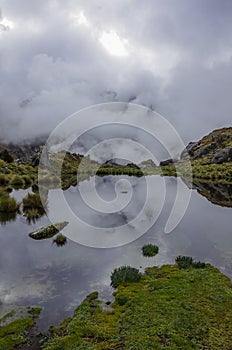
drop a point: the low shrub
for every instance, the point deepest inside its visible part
(32, 214)
(7, 217)
(32, 200)
(8, 204)
(150, 250)
(60, 240)
(33, 208)
(198, 264)
(185, 262)
(27, 180)
(3, 192)
(124, 274)
(4, 180)
(17, 182)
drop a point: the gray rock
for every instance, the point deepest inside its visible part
(4, 170)
(206, 150)
(224, 156)
(147, 164)
(189, 150)
(167, 162)
(132, 165)
(191, 146)
(35, 160)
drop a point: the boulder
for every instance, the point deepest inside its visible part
(167, 162)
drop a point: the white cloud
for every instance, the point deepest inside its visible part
(113, 43)
(172, 55)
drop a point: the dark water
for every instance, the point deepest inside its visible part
(58, 278)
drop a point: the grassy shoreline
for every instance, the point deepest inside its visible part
(168, 308)
(24, 176)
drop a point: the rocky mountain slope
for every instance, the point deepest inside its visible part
(215, 148)
(23, 154)
(211, 159)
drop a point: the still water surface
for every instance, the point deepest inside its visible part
(58, 278)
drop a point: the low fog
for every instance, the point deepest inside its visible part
(57, 57)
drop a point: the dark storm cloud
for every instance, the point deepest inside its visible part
(179, 61)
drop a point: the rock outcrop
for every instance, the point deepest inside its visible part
(22, 154)
(215, 148)
(167, 162)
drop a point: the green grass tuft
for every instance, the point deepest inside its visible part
(124, 274)
(15, 334)
(150, 250)
(185, 262)
(17, 182)
(8, 204)
(60, 240)
(4, 180)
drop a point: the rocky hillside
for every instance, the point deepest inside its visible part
(22, 154)
(215, 148)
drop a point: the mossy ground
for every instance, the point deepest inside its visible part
(168, 308)
(34, 312)
(19, 175)
(14, 334)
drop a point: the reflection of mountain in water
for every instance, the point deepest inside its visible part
(216, 193)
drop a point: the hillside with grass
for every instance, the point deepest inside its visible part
(215, 148)
(211, 157)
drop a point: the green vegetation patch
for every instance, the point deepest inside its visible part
(32, 200)
(60, 240)
(33, 207)
(124, 274)
(185, 262)
(8, 204)
(34, 312)
(17, 182)
(150, 250)
(4, 180)
(15, 333)
(169, 308)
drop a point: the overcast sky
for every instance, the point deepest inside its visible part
(59, 56)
